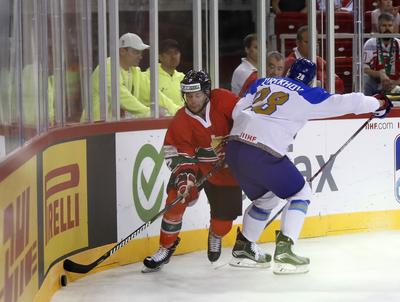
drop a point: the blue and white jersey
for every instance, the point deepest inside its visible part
(275, 109)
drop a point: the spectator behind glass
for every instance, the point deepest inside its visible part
(339, 5)
(169, 79)
(275, 65)
(301, 51)
(382, 60)
(134, 86)
(246, 72)
(279, 6)
(385, 6)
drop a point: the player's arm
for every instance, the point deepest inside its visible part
(321, 104)
(131, 104)
(167, 103)
(179, 154)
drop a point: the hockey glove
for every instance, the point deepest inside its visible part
(382, 111)
(218, 144)
(185, 185)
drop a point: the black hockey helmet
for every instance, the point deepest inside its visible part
(196, 81)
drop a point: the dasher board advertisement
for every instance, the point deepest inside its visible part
(359, 179)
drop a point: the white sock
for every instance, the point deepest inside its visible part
(292, 219)
(254, 221)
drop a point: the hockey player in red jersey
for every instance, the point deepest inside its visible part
(190, 150)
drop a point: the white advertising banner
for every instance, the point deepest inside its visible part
(361, 178)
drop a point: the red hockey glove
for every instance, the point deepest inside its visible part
(185, 185)
(382, 111)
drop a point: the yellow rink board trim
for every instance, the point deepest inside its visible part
(137, 250)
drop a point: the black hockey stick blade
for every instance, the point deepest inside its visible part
(71, 266)
(74, 267)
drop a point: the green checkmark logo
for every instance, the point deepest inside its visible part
(147, 185)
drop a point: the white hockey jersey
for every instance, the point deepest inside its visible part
(275, 109)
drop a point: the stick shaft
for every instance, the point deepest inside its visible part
(74, 267)
(324, 165)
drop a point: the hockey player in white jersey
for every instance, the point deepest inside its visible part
(266, 121)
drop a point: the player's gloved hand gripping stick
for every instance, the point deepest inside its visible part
(74, 267)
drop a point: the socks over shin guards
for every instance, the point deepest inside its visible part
(254, 221)
(293, 218)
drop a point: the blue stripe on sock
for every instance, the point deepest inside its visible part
(258, 213)
(299, 205)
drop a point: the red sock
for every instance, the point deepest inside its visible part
(172, 221)
(220, 227)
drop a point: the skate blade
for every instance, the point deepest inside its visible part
(218, 264)
(146, 270)
(289, 269)
(248, 263)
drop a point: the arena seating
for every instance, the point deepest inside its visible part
(343, 47)
(290, 22)
(344, 69)
(370, 5)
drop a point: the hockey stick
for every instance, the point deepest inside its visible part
(324, 165)
(74, 267)
(394, 97)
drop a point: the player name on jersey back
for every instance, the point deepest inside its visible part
(284, 83)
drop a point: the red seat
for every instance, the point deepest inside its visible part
(289, 22)
(344, 22)
(344, 69)
(370, 5)
(343, 47)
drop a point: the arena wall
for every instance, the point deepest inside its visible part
(75, 192)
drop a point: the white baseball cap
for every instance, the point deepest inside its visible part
(133, 41)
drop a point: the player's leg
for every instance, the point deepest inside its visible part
(259, 172)
(292, 220)
(245, 251)
(170, 227)
(225, 206)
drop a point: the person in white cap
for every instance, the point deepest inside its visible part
(134, 86)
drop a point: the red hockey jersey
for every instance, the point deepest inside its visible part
(188, 141)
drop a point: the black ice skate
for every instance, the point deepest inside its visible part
(247, 254)
(287, 262)
(155, 263)
(214, 246)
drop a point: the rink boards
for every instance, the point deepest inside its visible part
(75, 192)
(361, 179)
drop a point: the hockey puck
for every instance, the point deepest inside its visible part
(63, 280)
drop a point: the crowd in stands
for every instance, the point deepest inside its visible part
(381, 60)
(380, 54)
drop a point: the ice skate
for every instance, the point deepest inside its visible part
(214, 246)
(287, 262)
(155, 263)
(247, 254)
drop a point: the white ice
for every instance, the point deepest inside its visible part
(360, 267)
